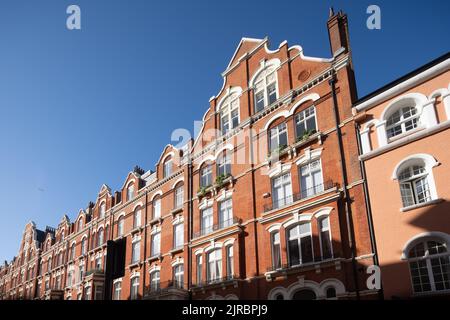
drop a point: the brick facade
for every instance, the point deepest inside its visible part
(269, 197)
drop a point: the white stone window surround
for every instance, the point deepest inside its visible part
(430, 162)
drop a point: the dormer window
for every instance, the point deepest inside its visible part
(167, 170)
(229, 112)
(130, 192)
(265, 88)
(401, 121)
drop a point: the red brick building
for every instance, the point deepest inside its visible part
(266, 203)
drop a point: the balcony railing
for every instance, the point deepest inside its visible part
(222, 280)
(217, 226)
(93, 271)
(162, 287)
(303, 194)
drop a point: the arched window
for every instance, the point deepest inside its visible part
(414, 184)
(167, 168)
(224, 164)
(179, 196)
(100, 237)
(331, 293)
(72, 251)
(206, 175)
(102, 210)
(305, 122)
(156, 207)
(325, 238)
(299, 240)
(83, 246)
(401, 121)
(155, 281)
(120, 224)
(80, 224)
(214, 266)
(137, 217)
(130, 192)
(276, 250)
(429, 266)
(229, 112)
(178, 276)
(49, 264)
(304, 294)
(230, 261)
(278, 139)
(265, 88)
(134, 290)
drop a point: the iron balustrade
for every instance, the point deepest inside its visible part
(303, 194)
(217, 226)
(162, 287)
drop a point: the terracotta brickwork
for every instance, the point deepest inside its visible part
(266, 203)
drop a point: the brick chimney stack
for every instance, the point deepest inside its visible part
(338, 33)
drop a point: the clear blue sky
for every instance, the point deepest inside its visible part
(81, 108)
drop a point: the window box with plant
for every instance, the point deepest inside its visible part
(222, 180)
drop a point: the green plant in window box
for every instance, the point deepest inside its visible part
(202, 190)
(306, 135)
(221, 178)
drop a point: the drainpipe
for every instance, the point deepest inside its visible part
(347, 199)
(252, 161)
(190, 225)
(145, 241)
(373, 242)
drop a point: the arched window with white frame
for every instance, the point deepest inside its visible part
(276, 249)
(137, 217)
(102, 210)
(265, 86)
(155, 281)
(429, 264)
(156, 207)
(229, 112)
(214, 266)
(120, 226)
(299, 246)
(130, 192)
(402, 120)
(416, 181)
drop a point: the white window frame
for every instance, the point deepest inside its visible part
(284, 182)
(206, 175)
(179, 196)
(130, 192)
(299, 238)
(262, 81)
(167, 168)
(156, 244)
(317, 186)
(214, 270)
(275, 133)
(301, 117)
(415, 119)
(117, 288)
(228, 106)
(137, 217)
(156, 208)
(225, 213)
(209, 214)
(134, 288)
(321, 240)
(178, 235)
(136, 250)
(155, 280)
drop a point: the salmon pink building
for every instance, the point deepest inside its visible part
(404, 130)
